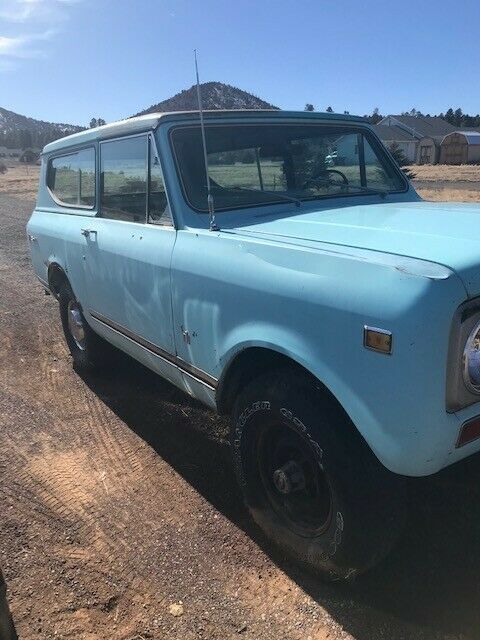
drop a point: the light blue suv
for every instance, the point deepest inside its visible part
(333, 314)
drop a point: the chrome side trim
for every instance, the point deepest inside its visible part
(185, 367)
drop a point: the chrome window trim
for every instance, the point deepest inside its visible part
(72, 152)
(355, 128)
(143, 134)
(149, 134)
(151, 222)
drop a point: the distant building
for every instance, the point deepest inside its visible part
(390, 135)
(5, 152)
(460, 147)
(28, 156)
(419, 137)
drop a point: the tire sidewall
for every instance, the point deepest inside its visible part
(82, 358)
(345, 545)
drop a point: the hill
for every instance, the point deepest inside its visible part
(215, 95)
(20, 132)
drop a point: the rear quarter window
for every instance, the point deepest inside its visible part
(71, 178)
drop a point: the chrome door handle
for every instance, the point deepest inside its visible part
(87, 232)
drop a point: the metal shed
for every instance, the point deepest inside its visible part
(460, 147)
(429, 149)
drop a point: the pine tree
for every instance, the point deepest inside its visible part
(450, 116)
(375, 116)
(401, 159)
(458, 117)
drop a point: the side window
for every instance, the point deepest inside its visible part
(124, 179)
(158, 210)
(377, 177)
(71, 178)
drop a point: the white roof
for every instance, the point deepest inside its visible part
(473, 137)
(131, 125)
(150, 121)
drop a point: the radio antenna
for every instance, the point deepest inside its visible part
(210, 203)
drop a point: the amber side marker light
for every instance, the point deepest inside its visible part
(377, 339)
(469, 431)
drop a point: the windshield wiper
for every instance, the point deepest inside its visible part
(281, 196)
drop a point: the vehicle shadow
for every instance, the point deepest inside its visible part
(431, 579)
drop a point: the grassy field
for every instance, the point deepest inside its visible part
(447, 173)
(20, 180)
(433, 182)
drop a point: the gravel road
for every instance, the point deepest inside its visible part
(120, 518)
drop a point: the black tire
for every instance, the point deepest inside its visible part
(92, 352)
(332, 507)
(7, 628)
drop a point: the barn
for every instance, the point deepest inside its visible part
(460, 147)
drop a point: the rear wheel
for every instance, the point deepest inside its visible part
(88, 350)
(310, 481)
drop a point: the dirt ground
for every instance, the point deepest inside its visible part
(19, 179)
(117, 501)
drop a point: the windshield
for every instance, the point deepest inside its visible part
(268, 163)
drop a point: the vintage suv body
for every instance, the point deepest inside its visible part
(329, 310)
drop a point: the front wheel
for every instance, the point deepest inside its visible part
(309, 480)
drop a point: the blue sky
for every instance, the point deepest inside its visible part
(69, 60)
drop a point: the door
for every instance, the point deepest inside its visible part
(128, 254)
(425, 155)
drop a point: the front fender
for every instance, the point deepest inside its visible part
(299, 350)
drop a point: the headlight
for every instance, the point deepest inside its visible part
(471, 360)
(463, 363)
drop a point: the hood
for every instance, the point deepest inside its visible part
(444, 233)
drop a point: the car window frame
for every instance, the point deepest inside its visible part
(73, 152)
(149, 137)
(152, 139)
(365, 131)
(143, 134)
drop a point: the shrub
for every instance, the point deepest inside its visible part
(401, 160)
(3, 167)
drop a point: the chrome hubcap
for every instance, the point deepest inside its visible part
(75, 324)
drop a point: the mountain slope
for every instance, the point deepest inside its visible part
(17, 131)
(215, 95)
(20, 132)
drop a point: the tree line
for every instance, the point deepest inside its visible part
(455, 117)
(27, 139)
(18, 137)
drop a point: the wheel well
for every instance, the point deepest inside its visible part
(56, 277)
(253, 362)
